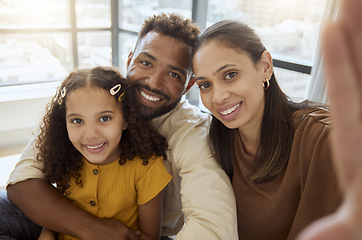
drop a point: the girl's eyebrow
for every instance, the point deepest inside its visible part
(100, 113)
(73, 115)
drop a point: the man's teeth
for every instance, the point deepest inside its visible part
(230, 110)
(148, 97)
(94, 147)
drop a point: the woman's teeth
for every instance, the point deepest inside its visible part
(230, 110)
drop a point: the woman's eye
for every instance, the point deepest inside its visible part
(146, 63)
(230, 75)
(105, 119)
(77, 121)
(204, 86)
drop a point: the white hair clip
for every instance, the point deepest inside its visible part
(63, 92)
(114, 90)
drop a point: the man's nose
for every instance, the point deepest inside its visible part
(155, 80)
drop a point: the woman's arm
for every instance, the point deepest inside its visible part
(150, 218)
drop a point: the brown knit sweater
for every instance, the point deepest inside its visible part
(307, 190)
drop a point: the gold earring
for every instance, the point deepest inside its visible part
(266, 84)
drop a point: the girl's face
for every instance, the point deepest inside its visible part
(95, 124)
(231, 85)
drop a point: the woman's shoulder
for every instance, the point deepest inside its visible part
(316, 116)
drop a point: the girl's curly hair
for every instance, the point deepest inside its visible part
(61, 159)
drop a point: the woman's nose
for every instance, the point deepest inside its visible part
(220, 96)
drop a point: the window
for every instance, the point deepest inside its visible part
(43, 40)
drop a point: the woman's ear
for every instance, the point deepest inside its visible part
(267, 64)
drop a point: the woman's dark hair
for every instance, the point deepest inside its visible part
(61, 159)
(276, 134)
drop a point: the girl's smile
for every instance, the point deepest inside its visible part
(95, 131)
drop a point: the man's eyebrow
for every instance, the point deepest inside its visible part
(178, 69)
(149, 56)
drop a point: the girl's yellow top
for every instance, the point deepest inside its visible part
(115, 191)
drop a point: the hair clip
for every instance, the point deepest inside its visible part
(63, 92)
(114, 90)
(121, 97)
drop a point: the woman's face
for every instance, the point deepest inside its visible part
(231, 85)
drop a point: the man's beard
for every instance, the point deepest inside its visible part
(149, 112)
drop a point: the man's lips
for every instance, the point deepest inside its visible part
(152, 98)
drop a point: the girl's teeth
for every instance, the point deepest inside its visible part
(94, 147)
(230, 110)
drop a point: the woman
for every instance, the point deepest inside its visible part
(275, 151)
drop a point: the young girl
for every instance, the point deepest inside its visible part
(101, 154)
(275, 151)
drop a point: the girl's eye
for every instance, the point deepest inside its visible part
(230, 75)
(175, 75)
(77, 121)
(146, 63)
(204, 86)
(104, 119)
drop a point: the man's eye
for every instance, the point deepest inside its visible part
(77, 121)
(175, 75)
(104, 119)
(146, 63)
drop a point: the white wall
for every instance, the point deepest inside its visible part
(21, 110)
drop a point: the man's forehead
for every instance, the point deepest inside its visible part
(159, 47)
(155, 40)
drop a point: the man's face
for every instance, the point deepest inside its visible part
(157, 72)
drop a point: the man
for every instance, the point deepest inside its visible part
(199, 202)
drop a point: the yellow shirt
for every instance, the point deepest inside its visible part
(115, 191)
